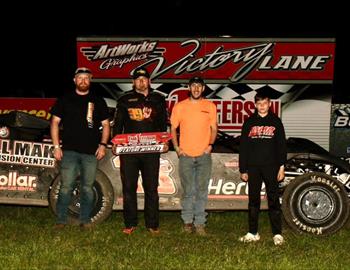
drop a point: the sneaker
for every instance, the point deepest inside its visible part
(188, 228)
(249, 237)
(129, 230)
(59, 226)
(86, 226)
(278, 240)
(200, 230)
(153, 230)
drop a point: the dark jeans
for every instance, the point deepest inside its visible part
(130, 166)
(257, 175)
(73, 164)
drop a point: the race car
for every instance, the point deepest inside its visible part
(315, 193)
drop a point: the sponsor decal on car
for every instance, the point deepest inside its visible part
(27, 153)
(19, 182)
(221, 188)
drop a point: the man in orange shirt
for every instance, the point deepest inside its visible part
(197, 120)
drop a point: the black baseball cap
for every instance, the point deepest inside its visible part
(196, 79)
(141, 71)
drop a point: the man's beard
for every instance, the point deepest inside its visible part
(195, 97)
(83, 88)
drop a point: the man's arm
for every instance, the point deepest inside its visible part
(243, 155)
(174, 138)
(282, 150)
(106, 131)
(118, 127)
(243, 149)
(173, 129)
(54, 131)
(101, 150)
(213, 134)
(163, 121)
(213, 129)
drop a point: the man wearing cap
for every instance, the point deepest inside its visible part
(197, 120)
(81, 114)
(140, 110)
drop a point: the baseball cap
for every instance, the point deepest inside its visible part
(141, 71)
(196, 79)
(80, 70)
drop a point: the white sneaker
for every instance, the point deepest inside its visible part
(278, 240)
(249, 237)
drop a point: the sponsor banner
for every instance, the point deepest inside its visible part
(40, 107)
(138, 143)
(217, 60)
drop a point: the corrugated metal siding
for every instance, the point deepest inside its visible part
(308, 119)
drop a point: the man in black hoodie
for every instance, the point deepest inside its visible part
(262, 157)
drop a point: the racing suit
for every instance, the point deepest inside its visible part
(138, 113)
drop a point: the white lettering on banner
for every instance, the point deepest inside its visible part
(139, 149)
(251, 56)
(105, 51)
(287, 62)
(110, 63)
(15, 181)
(120, 54)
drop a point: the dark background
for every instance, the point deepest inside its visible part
(38, 40)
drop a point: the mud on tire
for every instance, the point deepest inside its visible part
(315, 203)
(102, 204)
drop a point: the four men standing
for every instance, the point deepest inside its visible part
(262, 152)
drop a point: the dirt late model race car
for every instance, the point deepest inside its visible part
(315, 193)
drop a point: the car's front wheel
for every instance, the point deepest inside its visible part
(315, 203)
(102, 204)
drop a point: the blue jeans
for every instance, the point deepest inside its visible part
(195, 173)
(74, 164)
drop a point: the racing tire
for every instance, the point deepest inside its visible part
(102, 204)
(315, 204)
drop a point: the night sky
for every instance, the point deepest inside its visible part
(38, 41)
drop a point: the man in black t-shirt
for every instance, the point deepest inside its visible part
(81, 113)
